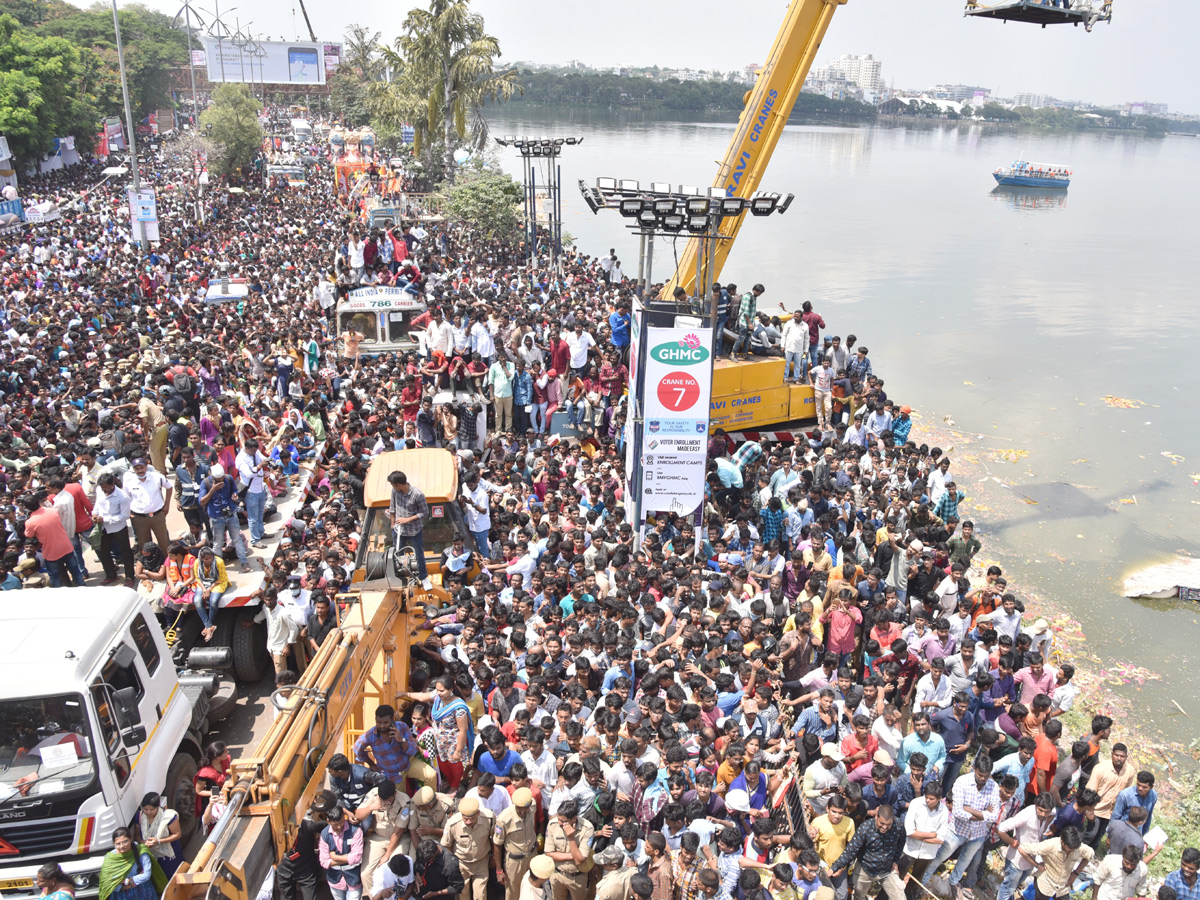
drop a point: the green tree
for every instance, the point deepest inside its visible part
(361, 69)
(236, 132)
(153, 45)
(486, 199)
(41, 92)
(449, 59)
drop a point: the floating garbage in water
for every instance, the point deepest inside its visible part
(1122, 402)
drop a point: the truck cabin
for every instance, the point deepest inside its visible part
(432, 471)
(383, 316)
(286, 176)
(89, 681)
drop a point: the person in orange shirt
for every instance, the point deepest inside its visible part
(181, 576)
(58, 551)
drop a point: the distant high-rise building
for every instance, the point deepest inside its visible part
(957, 92)
(750, 73)
(864, 71)
(1034, 101)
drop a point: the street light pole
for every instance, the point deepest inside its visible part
(130, 139)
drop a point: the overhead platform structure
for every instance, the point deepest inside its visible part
(1044, 12)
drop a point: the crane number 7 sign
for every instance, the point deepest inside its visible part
(678, 391)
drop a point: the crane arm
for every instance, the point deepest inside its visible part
(368, 656)
(768, 106)
(312, 35)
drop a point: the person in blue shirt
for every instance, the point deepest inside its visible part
(1141, 794)
(619, 323)
(498, 759)
(927, 742)
(1019, 764)
(1184, 881)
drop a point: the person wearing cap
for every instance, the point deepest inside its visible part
(219, 498)
(823, 777)
(390, 810)
(468, 836)
(902, 425)
(569, 844)
(514, 842)
(536, 883)
(617, 881)
(429, 814)
(296, 872)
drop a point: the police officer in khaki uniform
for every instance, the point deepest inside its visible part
(430, 813)
(468, 836)
(536, 883)
(569, 844)
(392, 810)
(614, 875)
(516, 837)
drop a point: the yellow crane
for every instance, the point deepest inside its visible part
(269, 792)
(769, 103)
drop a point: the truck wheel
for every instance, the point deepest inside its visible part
(250, 657)
(224, 701)
(180, 792)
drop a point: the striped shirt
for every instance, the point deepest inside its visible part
(986, 799)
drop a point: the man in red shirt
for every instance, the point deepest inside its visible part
(57, 550)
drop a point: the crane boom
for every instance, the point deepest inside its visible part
(312, 35)
(768, 106)
(367, 657)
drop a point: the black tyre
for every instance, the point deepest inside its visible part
(224, 700)
(250, 657)
(180, 792)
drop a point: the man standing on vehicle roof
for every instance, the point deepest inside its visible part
(746, 318)
(815, 323)
(407, 513)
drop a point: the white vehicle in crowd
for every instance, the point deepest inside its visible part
(93, 716)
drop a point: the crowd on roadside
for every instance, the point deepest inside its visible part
(599, 712)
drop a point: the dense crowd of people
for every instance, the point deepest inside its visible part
(598, 711)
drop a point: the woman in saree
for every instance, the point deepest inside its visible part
(53, 883)
(452, 729)
(129, 871)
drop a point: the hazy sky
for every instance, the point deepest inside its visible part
(1141, 55)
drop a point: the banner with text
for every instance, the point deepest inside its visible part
(677, 386)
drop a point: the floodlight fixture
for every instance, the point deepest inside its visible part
(764, 204)
(631, 207)
(673, 222)
(787, 201)
(697, 206)
(732, 206)
(664, 205)
(606, 184)
(660, 187)
(629, 186)
(647, 219)
(697, 224)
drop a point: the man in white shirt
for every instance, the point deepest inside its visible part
(439, 335)
(1121, 876)
(489, 796)
(933, 689)
(1028, 826)
(476, 503)
(795, 347)
(580, 342)
(542, 766)
(281, 630)
(926, 823)
(250, 463)
(111, 510)
(149, 496)
(606, 265)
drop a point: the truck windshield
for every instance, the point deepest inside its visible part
(45, 747)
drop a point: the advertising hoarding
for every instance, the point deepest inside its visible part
(676, 391)
(267, 62)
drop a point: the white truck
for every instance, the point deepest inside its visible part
(302, 132)
(93, 716)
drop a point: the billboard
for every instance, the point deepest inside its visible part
(676, 391)
(267, 62)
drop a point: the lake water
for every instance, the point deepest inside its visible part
(1015, 314)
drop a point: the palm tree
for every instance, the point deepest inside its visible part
(361, 54)
(449, 59)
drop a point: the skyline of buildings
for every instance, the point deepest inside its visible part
(860, 77)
